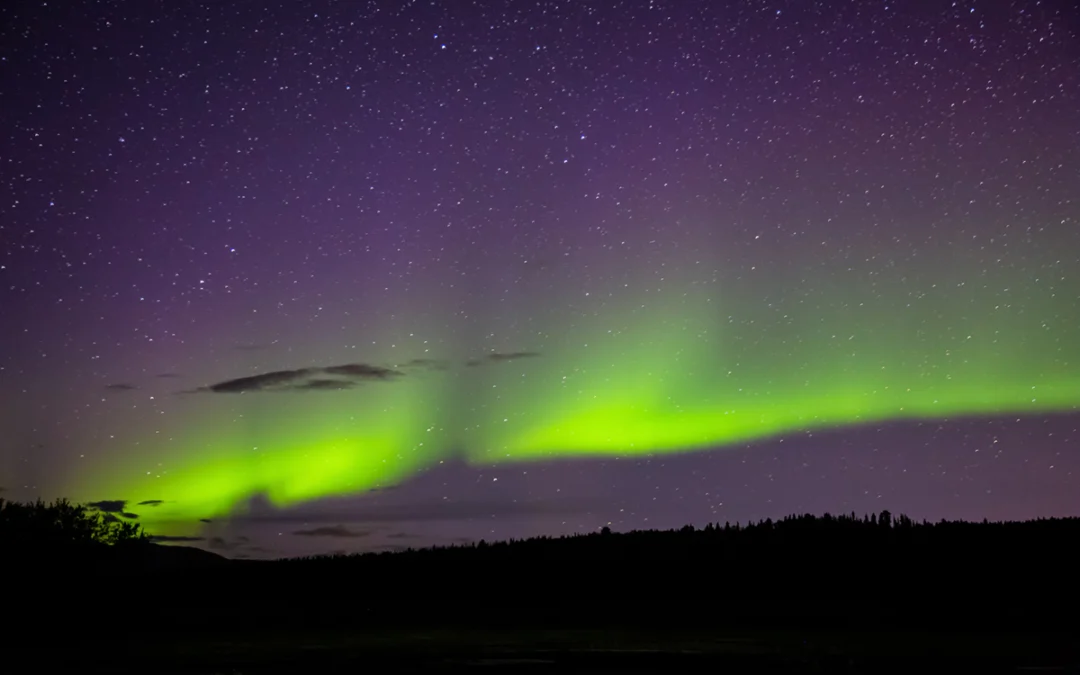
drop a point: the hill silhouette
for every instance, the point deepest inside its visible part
(39, 536)
(870, 566)
(800, 573)
(819, 578)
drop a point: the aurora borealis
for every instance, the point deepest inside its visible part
(410, 274)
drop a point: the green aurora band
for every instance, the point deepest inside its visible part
(686, 377)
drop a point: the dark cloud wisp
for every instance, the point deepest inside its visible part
(342, 377)
(325, 385)
(221, 544)
(326, 378)
(429, 512)
(501, 357)
(276, 379)
(108, 505)
(363, 371)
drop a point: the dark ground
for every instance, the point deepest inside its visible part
(805, 596)
(808, 650)
(514, 620)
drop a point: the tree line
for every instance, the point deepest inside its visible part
(35, 528)
(799, 568)
(816, 538)
(45, 527)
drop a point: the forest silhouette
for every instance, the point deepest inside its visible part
(800, 568)
(31, 531)
(809, 588)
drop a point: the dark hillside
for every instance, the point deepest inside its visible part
(891, 590)
(802, 568)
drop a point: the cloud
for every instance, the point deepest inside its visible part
(428, 512)
(112, 508)
(205, 520)
(326, 378)
(120, 386)
(501, 357)
(401, 535)
(326, 385)
(151, 502)
(363, 371)
(109, 505)
(164, 538)
(272, 380)
(166, 375)
(426, 364)
(365, 517)
(331, 531)
(219, 544)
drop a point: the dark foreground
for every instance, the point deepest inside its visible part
(560, 620)
(806, 595)
(808, 650)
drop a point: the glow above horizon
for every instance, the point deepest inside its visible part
(664, 383)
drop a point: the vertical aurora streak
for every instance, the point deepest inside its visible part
(676, 378)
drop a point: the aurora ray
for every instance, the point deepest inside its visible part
(680, 381)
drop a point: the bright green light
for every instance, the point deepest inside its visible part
(687, 375)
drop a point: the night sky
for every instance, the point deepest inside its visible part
(313, 277)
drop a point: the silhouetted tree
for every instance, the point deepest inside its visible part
(37, 527)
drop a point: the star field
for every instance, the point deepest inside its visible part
(375, 274)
